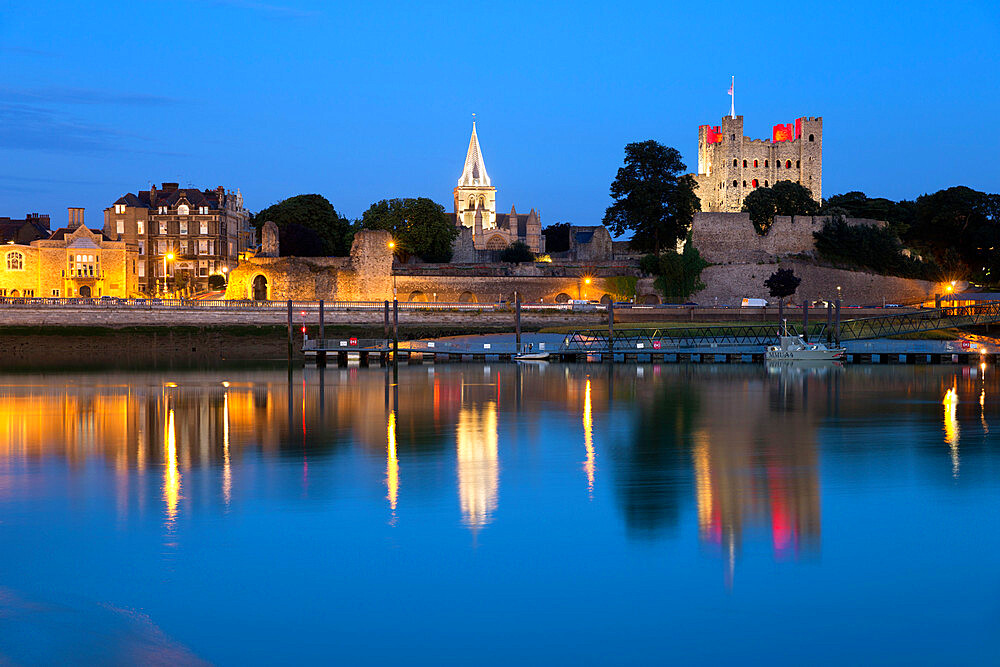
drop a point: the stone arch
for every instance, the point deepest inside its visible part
(734, 183)
(765, 164)
(812, 138)
(84, 291)
(744, 164)
(735, 163)
(496, 242)
(417, 295)
(744, 183)
(472, 201)
(606, 299)
(755, 182)
(755, 163)
(467, 297)
(562, 297)
(765, 183)
(788, 164)
(650, 299)
(258, 288)
(798, 164)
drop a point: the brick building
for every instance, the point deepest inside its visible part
(73, 261)
(731, 165)
(183, 235)
(32, 227)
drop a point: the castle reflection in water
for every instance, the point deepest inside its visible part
(735, 449)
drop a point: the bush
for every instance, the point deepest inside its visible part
(621, 288)
(517, 252)
(216, 282)
(871, 247)
(678, 275)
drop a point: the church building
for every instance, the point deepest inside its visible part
(476, 209)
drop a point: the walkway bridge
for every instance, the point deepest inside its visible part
(669, 339)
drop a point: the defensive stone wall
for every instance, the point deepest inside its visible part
(730, 238)
(492, 289)
(728, 284)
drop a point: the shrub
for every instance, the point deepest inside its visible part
(517, 252)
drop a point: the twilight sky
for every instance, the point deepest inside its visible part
(360, 101)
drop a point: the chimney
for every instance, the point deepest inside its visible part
(170, 187)
(75, 217)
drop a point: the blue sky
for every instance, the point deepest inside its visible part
(363, 101)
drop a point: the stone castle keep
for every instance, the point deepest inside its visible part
(731, 165)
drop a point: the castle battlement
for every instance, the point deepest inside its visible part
(731, 165)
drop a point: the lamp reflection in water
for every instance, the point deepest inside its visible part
(171, 475)
(951, 431)
(391, 464)
(478, 469)
(227, 472)
(588, 439)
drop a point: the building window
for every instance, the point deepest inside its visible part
(765, 164)
(162, 210)
(55, 292)
(788, 164)
(755, 182)
(203, 247)
(140, 227)
(161, 247)
(119, 208)
(734, 184)
(142, 247)
(29, 292)
(798, 164)
(732, 137)
(203, 227)
(812, 138)
(765, 183)
(184, 227)
(15, 261)
(142, 269)
(120, 226)
(182, 209)
(203, 210)
(755, 164)
(744, 183)
(735, 163)
(744, 164)
(163, 226)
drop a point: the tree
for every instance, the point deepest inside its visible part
(782, 198)
(295, 240)
(418, 227)
(516, 253)
(678, 275)
(872, 247)
(216, 282)
(899, 215)
(556, 237)
(958, 227)
(781, 284)
(315, 213)
(653, 198)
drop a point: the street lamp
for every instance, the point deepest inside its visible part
(168, 257)
(838, 292)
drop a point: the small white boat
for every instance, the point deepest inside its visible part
(795, 348)
(532, 356)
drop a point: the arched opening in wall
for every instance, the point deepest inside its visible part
(467, 297)
(472, 202)
(606, 299)
(562, 297)
(650, 299)
(732, 137)
(496, 242)
(812, 138)
(765, 183)
(482, 202)
(755, 163)
(788, 164)
(744, 183)
(798, 164)
(755, 182)
(765, 163)
(418, 296)
(735, 163)
(259, 288)
(744, 164)
(735, 183)
(84, 291)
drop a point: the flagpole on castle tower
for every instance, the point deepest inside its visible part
(732, 98)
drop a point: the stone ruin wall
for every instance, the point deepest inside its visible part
(730, 238)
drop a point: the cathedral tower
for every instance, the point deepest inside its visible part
(475, 198)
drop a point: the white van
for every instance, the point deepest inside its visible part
(753, 303)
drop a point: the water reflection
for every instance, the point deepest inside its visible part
(735, 450)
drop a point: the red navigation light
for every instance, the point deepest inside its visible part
(303, 329)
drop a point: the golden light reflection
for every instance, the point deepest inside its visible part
(227, 472)
(951, 430)
(391, 464)
(171, 475)
(703, 482)
(588, 438)
(478, 468)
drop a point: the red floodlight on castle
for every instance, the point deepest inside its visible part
(712, 134)
(784, 132)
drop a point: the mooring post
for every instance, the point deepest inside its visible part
(289, 332)
(611, 331)
(517, 321)
(837, 329)
(386, 322)
(805, 321)
(937, 300)
(395, 330)
(829, 322)
(321, 353)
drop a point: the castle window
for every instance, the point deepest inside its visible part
(755, 163)
(734, 184)
(765, 163)
(744, 183)
(788, 164)
(812, 138)
(798, 164)
(754, 182)
(732, 137)
(765, 184)
(744, 164)
(15, 261)
(735, 163)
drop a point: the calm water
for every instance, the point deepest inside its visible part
(490, 514)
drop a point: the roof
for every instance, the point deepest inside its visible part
(474, 172)
(61, 233)
(972, 296)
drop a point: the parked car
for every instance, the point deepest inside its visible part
(754, 303)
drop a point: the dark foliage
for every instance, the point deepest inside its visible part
(899, 214)
(418, 227)
(557, 237)
(870, 247)
(297, 240)
(959, 228)
(216, 282)
(782, 198)
(516, 253)
(782, 283)
(315, 213)
(678, 275)
(654, 199)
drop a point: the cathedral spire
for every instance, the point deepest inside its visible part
(474, 172)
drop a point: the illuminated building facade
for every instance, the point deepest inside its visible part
(731, 165)
(476, 208)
